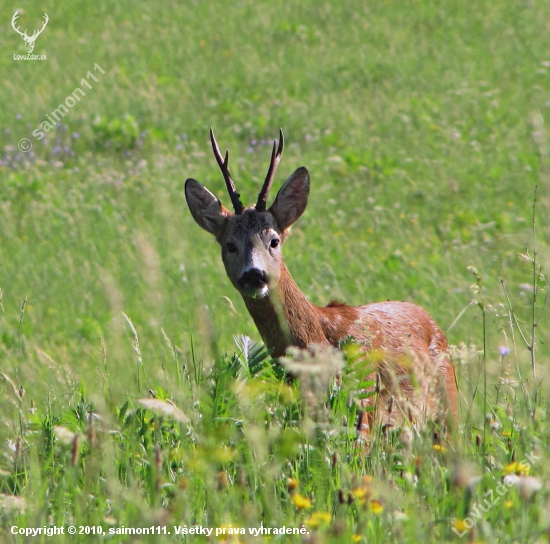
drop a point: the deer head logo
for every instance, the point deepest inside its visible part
(29, 40)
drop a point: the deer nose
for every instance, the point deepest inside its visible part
(253, 278)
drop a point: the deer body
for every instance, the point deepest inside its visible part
(411, 348)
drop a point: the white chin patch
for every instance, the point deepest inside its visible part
(258, 293)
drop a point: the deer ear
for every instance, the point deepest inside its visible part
(291, 199)
(205, 208)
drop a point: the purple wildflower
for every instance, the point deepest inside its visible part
(503, 350)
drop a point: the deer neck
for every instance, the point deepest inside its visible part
(285, 317)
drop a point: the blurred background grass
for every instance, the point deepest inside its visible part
(414, 118)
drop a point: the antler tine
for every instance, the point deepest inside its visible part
(46, 19)
(275, 159)
(13, 23)
(224, 167)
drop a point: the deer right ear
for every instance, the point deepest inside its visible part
(291, 199)
(205, 208)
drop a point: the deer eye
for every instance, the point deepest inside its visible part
(231, 247)
(274, 243)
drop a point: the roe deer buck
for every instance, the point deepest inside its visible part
(411, 348)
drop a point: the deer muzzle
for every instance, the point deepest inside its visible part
(254, 283)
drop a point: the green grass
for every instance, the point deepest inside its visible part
(423, 126)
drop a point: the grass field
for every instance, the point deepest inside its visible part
(424, 125)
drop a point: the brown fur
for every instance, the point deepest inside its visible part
(408, 339)
(415, 377)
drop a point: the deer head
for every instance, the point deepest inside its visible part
(251, 238)
(29, 40)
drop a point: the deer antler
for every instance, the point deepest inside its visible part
(275, 159)
(224, 167)
(13, 21)
(37, 32)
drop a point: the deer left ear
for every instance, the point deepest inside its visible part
(291, 199)
(206, 209)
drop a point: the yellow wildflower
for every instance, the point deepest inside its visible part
(460, 526)
(317, 519)
(521, 469)
(292, 484)
(376, 507)
(301, 502)
(360, 494)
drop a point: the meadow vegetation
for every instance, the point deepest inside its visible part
(134, 390)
